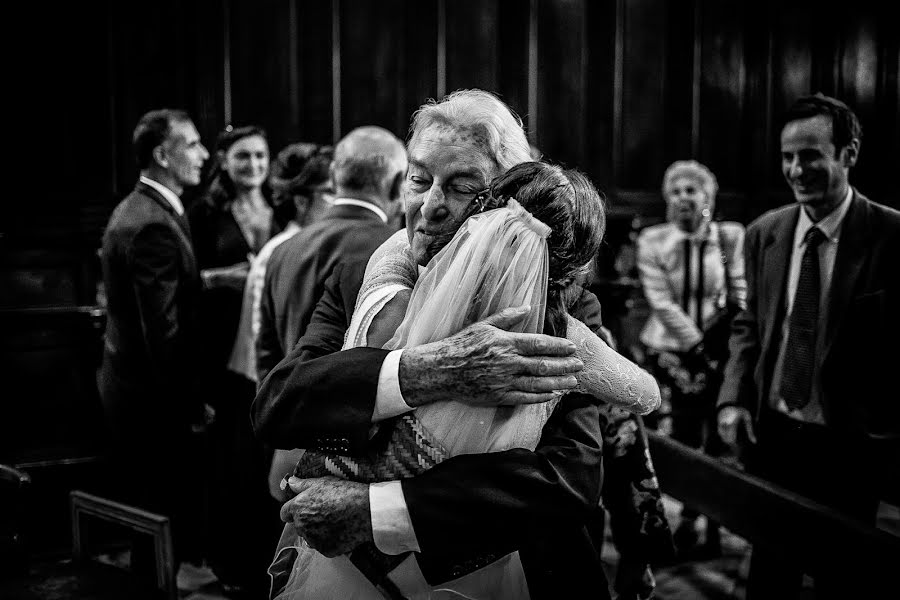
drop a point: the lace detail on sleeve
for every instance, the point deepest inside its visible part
(390, 269)
(609, 376)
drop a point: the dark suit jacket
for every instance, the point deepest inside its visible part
(296, 274)
(152, 289)
(320, 397)
(860, 348)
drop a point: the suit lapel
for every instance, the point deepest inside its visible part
(180, 220)
(776, 257)
(851, 255)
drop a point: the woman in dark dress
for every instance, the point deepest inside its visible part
(229, 225)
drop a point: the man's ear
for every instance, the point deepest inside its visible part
(850, 153)
(159, 155)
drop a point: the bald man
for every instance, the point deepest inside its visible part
(368, 170)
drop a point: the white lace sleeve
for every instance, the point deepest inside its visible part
(390, 269)
(609, 376)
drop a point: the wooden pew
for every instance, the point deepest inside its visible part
(812, 535)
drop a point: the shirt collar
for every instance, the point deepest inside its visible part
(830, 225)
(362, 203)
(166, 193)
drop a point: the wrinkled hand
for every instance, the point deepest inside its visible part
(331, 514)
(733, 419)
(486, 365)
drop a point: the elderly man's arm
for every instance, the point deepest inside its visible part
(318, 397)
(317, 394)
(472, 503)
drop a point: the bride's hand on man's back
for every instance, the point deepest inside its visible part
(485, 364)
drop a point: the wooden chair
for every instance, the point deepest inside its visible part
(14, 489)
(133, 518)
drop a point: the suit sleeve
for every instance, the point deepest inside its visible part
(500, 500)
(734, 249)
(738, 388)
(155, 258)
(268, 346)
(659, 295)
(318, 395)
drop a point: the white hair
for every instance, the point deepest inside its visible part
(695, 171)
(498, 129)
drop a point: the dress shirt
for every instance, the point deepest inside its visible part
(831, 227)
(354, 202)
(392, 528)
(168, 194)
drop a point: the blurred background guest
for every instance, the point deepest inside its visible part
(301, 187)
(231, 223)
(691, 270)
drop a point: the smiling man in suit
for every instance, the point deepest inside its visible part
(808, 382)
(153, 287)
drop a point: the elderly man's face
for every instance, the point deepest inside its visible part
(447, 168)
(185, 153)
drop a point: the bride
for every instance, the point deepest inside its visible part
(528, 239)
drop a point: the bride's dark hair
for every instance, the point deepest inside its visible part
(566, 201)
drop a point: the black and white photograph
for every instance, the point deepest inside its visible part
(451, 300)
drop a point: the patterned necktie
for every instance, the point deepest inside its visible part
(797, 371)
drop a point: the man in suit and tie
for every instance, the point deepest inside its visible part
(808, 383)
(153, 287)
(367, 172)
(469, 508)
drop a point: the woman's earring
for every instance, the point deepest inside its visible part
(705, 213)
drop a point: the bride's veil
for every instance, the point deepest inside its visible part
(497, 259)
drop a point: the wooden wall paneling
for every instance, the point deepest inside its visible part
(314, 100)
(857, 85)
(643, 94)
(792, 77)
(49, 360)
(599, 69)
(681, 85)
(888, 128)
(471, 43)
(371, 42)
(67, 144)
(513, 30)
(163, 58)
(419, 72)
(562, 80)
(723, 137)
(259, 35)
(760, 150)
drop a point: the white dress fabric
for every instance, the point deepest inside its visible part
(243, 353)
(496, 260)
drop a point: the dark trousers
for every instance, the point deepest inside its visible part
(154, 459)
(815, 462)
(244, 517)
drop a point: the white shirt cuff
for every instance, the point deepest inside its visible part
(388, 399)
(392, 529)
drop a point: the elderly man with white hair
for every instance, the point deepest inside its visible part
(469, 510)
